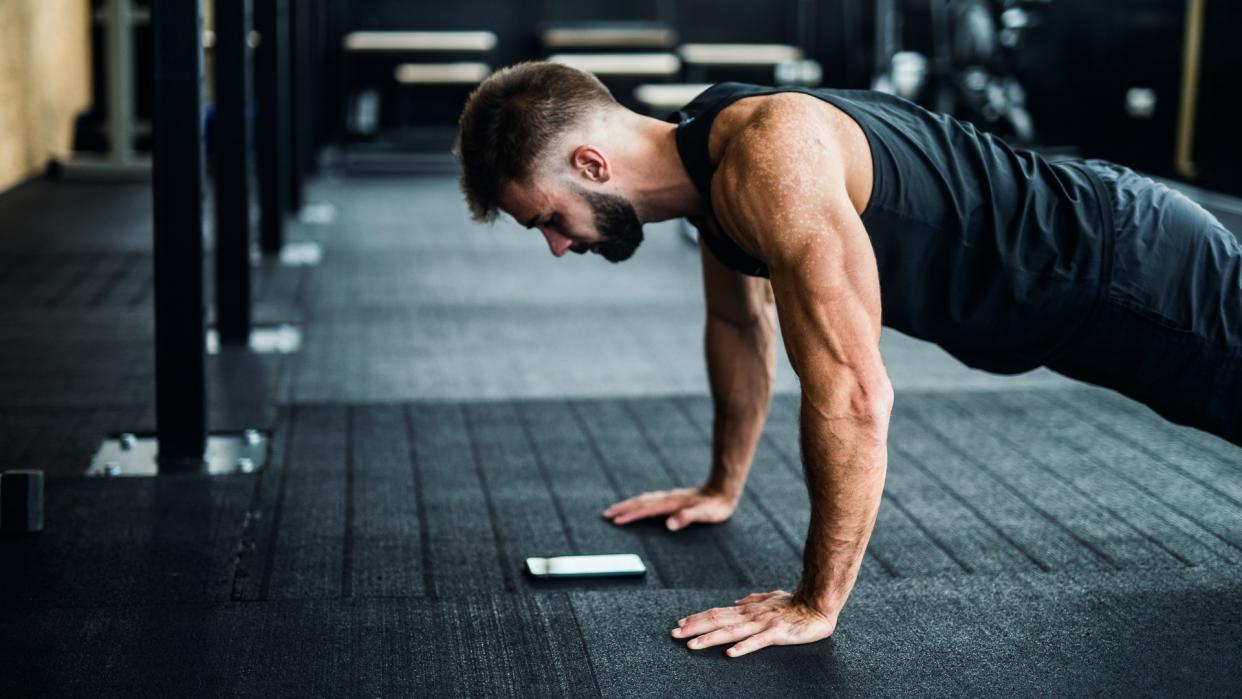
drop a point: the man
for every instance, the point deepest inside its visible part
(843, 209)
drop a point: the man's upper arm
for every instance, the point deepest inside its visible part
(782, 190)
(733, 297)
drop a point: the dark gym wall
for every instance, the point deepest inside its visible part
(1078, 66)
(516, 23)
(571, 10)
(844, 41)
(843, 28)
(1218, 140)
(512, 22)
(1082, 60)
(751, 22)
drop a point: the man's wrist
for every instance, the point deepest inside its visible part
(732, 496)
(827, 601)
(725, 487)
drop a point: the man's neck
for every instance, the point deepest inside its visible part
(662, 188)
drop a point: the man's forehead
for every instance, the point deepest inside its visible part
(525, 200)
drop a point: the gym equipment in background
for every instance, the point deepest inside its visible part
(403, 90)
(120, 158)
(957, 61)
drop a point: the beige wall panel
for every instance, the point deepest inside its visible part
(44, 81)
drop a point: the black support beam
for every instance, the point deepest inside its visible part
(299, 85)
(232, 171)
(272, 93)
(177, 176)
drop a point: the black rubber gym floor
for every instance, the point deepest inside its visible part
(1034, 539)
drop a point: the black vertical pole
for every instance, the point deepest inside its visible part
(232, 171)
(336, 105)
(271, 137)
(316, 50)
(177, 177)
(298, 123)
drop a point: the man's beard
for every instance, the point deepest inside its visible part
(617, 222)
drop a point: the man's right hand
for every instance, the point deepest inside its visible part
(683, 505)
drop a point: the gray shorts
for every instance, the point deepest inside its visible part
(1168, 332)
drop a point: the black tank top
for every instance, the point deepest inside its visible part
(995, 253)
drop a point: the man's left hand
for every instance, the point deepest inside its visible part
(759, 620)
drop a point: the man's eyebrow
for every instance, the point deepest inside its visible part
(531, 222)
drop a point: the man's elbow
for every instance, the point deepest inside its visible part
(866, 401)
(872, 401)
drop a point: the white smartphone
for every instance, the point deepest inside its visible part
(604, 565)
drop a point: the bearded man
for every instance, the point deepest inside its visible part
(839, 211)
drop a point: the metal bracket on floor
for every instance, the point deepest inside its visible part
(129, 454)
(297, 253)
(117, 20)
(319, 213)
(281, 338)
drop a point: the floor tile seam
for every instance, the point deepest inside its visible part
(582, 639)
(756, 497)
(542, 467)
(278, 506)
(601, 463)
(1117, 436)
(52, 412)
(439, 402)
(424, 532)
(247, 545)
(628, 408)
(952, 446)
(1222, 573)
(1194, 522)
(498, 539)
(105, 288)
(53, 300)
(1184, 517)
(1150, 538)
(597, 452)
(929, 535)
(1179, 433)
(593, 445)
(988, 522)
(347, 545)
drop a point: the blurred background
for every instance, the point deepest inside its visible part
(1118, 79)
(277, 419)
(308, 141)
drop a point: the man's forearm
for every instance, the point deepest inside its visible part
(740, 362)
(845, 459)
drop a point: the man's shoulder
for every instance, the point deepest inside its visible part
(778, 134)
(751, 120)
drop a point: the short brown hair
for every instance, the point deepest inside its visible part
(510, 120)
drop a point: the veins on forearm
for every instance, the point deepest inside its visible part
(740, 365)
(845, 461)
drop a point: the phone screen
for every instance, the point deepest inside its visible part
(586, 566)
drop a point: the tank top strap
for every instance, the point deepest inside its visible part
(694, 126)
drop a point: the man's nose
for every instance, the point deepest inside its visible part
(557, 243)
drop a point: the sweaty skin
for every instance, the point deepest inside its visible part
(793, 174)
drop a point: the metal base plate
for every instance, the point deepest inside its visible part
(301, 253)
(320, 213)
(282, 338)
(129, 454)
(296, 253)
(85, 167)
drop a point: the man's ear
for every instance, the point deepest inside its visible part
(589, 162)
